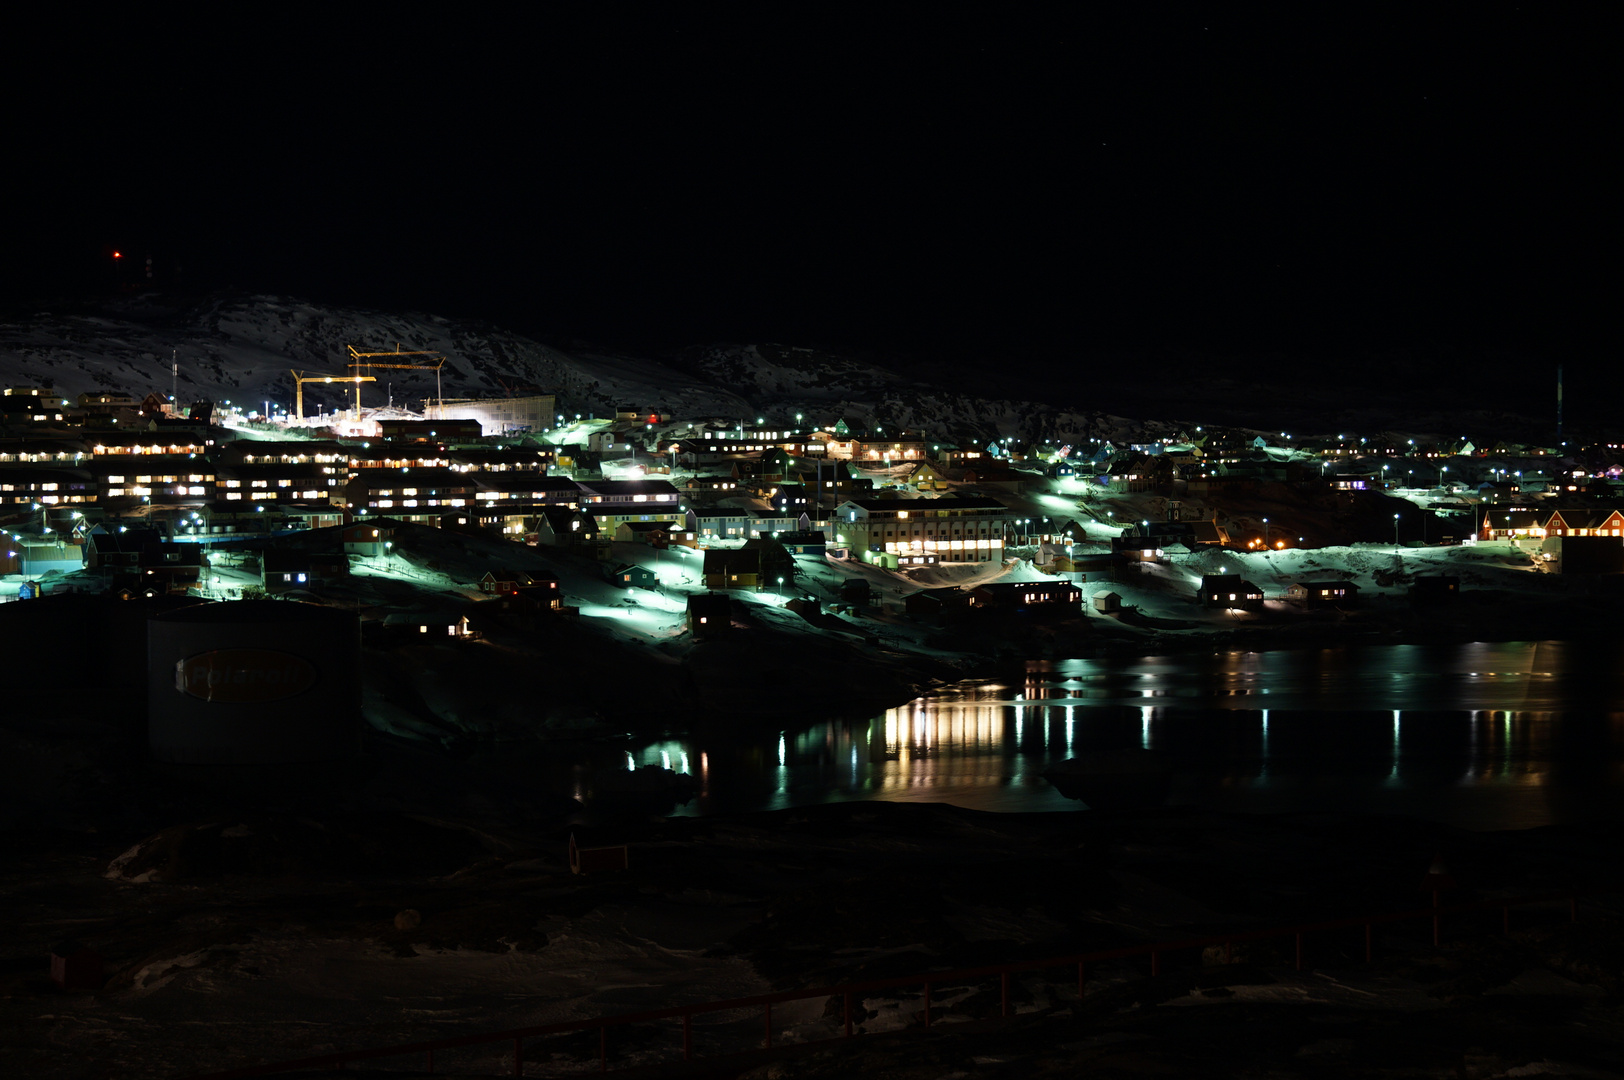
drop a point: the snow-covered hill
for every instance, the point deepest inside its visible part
(242, 349)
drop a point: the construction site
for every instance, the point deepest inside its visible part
(512, 415)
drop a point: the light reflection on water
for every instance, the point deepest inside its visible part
(1486, 736)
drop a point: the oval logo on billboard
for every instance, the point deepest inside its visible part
(234, 675)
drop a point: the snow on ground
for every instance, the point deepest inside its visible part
(247, 946)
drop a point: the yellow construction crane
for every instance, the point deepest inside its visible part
(299, 379)
(363, 360)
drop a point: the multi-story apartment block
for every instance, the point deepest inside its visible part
(419, 495)
(896, 532)
(614, 502)
(134, 484)
(502, 459)
(302, 479)
(510, 502)
(879, 447)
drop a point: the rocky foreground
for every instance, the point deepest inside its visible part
(248, 919)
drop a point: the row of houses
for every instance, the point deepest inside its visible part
(1537, 524)
(1233, 592)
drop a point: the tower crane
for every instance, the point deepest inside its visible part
(299, 379)
(364, 360)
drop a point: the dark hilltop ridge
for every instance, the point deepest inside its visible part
(231, 346)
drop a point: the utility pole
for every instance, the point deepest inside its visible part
(1559, 404)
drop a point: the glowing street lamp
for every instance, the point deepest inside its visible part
(1395, 534)
(780, 586)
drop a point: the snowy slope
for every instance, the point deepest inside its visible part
(242, 348)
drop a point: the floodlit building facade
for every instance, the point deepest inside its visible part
(955, 529)
(499, 416)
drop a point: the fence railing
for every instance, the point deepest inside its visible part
(1154, 951)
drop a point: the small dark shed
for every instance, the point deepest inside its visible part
(1431, 589)
(75, 967)
(709, 614)
(856, 591)
(1323, 593)
(1229, 591)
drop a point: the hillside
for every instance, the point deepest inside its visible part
(232, 347)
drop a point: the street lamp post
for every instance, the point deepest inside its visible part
(1395, 534)
(780, 586)
(1265, 534)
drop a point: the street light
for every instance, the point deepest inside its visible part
(1265, 534)
(1395, 534)
(780, 586)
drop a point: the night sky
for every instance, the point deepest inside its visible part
(1418, 186)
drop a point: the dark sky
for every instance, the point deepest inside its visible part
(1059, 184)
